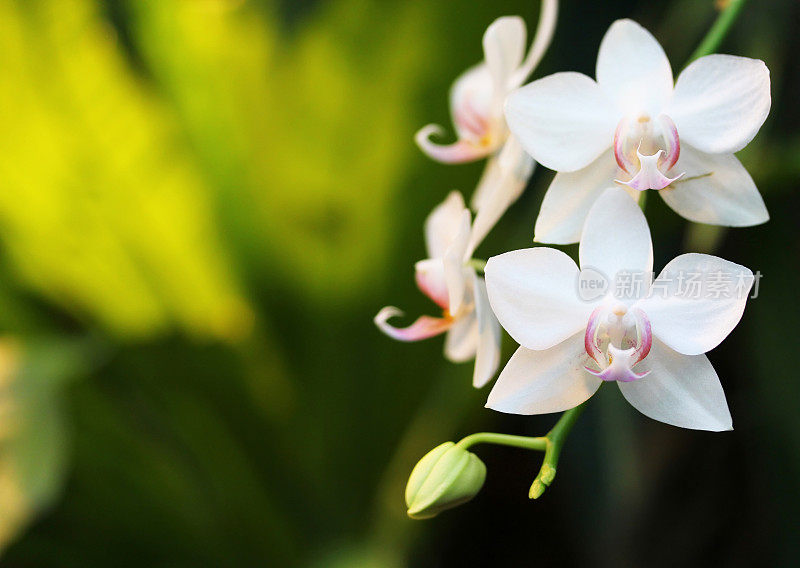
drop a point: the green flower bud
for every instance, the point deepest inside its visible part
(444, 478)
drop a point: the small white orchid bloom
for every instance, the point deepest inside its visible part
(447, 278)
(635, 127)
(476, 104)
(650, 341)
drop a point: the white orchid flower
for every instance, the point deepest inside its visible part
(476, 103)
(447, 278)
(651, 342)
(635, 127)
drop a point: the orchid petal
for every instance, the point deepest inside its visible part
(455, 273)
(616, 238)
(487, 358)
(443, 224)
(548, 17)
(632, 68)
(539, 382)
(459, 152)
(681, 390)
(461, 340)
(694, 318)
(533, 292)
(429, 275)
(568, 200)
(472, 100)
(423, 328)
(564, 120)
(503, 49)
(502, 183)
(649, 176)
(716, 189)
(720, 102)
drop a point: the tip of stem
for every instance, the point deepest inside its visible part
(546, 476)
(536, 489)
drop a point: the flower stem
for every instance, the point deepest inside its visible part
(719, 30)
(555, 440)
(525, 442)
(550, 444)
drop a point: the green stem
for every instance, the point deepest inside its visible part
(555, 440)
(478, 264)
(550, 444)
(525, 442)
(719, 30)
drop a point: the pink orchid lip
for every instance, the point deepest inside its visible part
(619, 366)
(423, 328)
(648, 172)
(459, 152)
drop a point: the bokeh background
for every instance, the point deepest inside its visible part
(202, 205)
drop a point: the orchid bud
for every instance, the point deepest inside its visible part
(444, 478)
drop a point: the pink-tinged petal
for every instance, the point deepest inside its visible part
(429, 275)
(672, 140)
(534, 294)
(622, 152)
(696, 302)
(459, 152)
(487, 358)
(455, 272)
(649, 176)
(443, 224)
(503, 49)
(716, 190)
(568, 200)
(590, 337)
(720, 102)
(621, 366)
(540, 382)
(680, 390)
(461, 341)
(564, 121)
(633, 70)
(616, 239)
(471, 103)
(423, 328)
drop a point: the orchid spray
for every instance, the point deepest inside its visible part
(605, 319)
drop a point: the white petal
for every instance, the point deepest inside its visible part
(471, 99)
(633, 70)
(720, 102)
(443, 224)
(503, 48)
(716, 189)
(564, 120)
(461, 340)
(455, 273)
(501, 185)
(693, 320)
(682, 390)
(533, 293)
(616, 238)
(538, 382)
(569, 198)
(487, 358)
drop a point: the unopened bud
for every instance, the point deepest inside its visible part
(444, 478)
